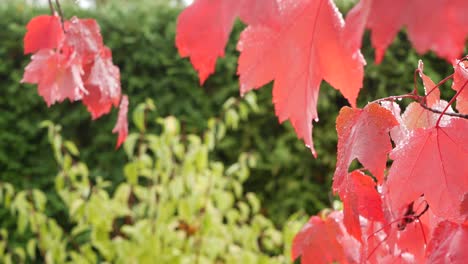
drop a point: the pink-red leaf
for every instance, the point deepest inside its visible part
(362, 134)
(324, 241)
(43, 32)
(435, 25)
(103, 85)
(400, 239)
(203, 28)
(305, 47)
(414, 117)
(84, 35)
(360, 198)
(121, 127)
(464, 207)
(406, 246)
(75, 65)
(460, 81)
(448, 244)
(356, 21)
(433, 162)
(432, 92)
(58, 76)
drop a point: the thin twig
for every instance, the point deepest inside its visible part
(398, 97)
(415, 81)
(439, 84)
(451, 102)
(441, 112)
(59, 8)
(51, 7)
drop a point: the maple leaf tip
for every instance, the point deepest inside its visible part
(242, 92)
(379, 54)
(312, 150)
(201, 81)
(203, 76)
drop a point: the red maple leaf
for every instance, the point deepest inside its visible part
(360, 198)
(448, 245)
(203, 28)
(390, 245)
(435, 25)
(43, 32)
(433, 162)
(121, 127)
(362, 134)
(84, 35)
(74, 65)
(460, 84)
(432, 92)
(415, 116)
(325, 241)
(103, 85)
(464, 207)
(400, 238)
(58, 75)
(305, 47)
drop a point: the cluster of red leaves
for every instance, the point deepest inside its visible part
(299, 43)
(295, 43)
(71, 62)
(425, 189)
(437, 25)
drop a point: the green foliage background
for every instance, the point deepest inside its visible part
(175, 205)
(286, 177)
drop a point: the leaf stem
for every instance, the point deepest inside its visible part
(60, 12)
(451, 102)
(398, 97)
(439, 84)
(59, 8)
(415, 81)
(51, 7)
(441, 112)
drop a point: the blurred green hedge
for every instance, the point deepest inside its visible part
(287, 177)
(176, 205)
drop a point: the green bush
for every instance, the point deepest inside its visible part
(175, 205)
(141, 37)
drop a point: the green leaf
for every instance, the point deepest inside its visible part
(75, 206)
(231, 119)
(243, 111)
(22, 223)
(139, 117)
(251, 100)
(131, 173)
(149, 103)
(40, 200)
(31, 248)
(71, 147)
(130, 143)
(224, 200)
(229, 103)
(244, 211)
(254, 202)
(171, 125)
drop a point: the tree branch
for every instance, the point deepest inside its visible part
(441, 112)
